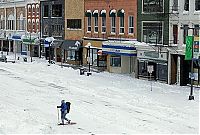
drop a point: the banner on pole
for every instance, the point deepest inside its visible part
(196, 47)
(189, 46)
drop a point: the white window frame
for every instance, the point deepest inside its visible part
(89, 22)
(120, 25)
(96, 26)
(152, 22)
(113, 18)
(152, 12)
(130, 27)
(103, 25)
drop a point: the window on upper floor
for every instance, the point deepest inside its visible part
(96, 24)
(175, 33)
(131, 25)
(150, 6)
(46, 11)
(57, 30)
(57, 10)
(175, 5)
(89, 28)
(2, 22)
(186, 5)
(10, 22)
(74, 23)
(113, 24)
(185, 33)
(152, 32)
(21, 22)
(197, 5)
(121, 28)
(196, 30)
(103, 24)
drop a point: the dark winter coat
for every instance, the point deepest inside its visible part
(63, 107)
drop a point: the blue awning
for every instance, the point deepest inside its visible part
(16, 37)
(119, 49)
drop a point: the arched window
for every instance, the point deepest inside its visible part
(10, 22)
(2, 22)
(21, 22)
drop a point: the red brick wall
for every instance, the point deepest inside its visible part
(130, 7)
(33, 13)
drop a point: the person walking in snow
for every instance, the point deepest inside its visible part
(65, 107)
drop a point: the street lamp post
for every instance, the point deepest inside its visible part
(191, 96)
(49, 53)
(7, 46)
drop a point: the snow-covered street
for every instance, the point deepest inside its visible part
(103, 103)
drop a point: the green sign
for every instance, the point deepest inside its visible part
(189, 46)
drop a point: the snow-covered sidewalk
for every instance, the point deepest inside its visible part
(103, 103)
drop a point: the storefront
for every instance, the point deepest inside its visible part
(72, 51)
(157, 59)
(92, 53)
(121, 56)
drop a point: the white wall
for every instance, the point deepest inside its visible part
(190, 18)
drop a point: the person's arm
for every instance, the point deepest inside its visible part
(58, 106)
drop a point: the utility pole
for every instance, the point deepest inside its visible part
(191, 96)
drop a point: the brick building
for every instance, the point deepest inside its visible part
(74, 31)
(109, 20)
(33, 30)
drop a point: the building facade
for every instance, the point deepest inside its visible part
(53, 25)
(74, 32)
(109, 20)
(184, 22)
(153, 29)
(12, 24)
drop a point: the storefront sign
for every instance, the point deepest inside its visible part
(188, 51)
(119, 50)
(152, 54)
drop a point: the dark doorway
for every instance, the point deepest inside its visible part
(174, 58)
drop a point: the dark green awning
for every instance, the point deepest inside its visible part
(112, 13)
(88, 13)
(120, 13)
(95, 13)
(103, 13)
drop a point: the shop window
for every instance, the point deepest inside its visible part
(152, 6)
(115, 61)
(102, 60)
(152, 32)
(71, 55)
(74, 23)
(57, 10)
(131, 25)
(197, 5)
(46, 10)
(186, 5)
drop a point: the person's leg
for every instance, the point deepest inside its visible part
(62, 117)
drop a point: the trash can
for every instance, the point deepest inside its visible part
(25, 59)
(82, 71)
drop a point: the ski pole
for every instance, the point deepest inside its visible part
(58, 115)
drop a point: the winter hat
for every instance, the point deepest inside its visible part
(62, 101)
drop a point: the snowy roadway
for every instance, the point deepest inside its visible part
(103, 103)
